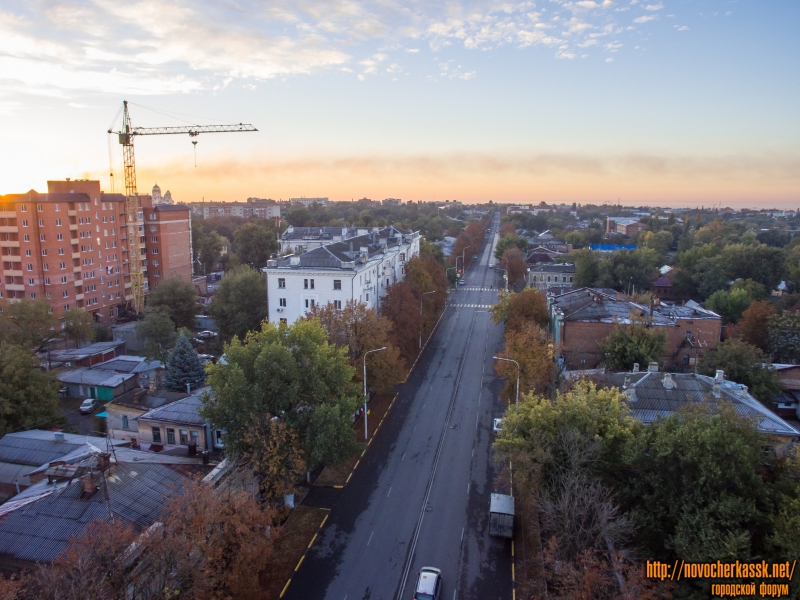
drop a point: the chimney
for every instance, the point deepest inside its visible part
(743, 391)
(58, 436)
(103, 460)
(88, 484)
(667, 381)
(653, 367)
(635, 367)
(716, 390)
(720, 376)
(627, 382)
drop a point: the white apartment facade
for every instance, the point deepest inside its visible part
(359, 268)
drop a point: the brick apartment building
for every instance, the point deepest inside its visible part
(624, 225)
(70, 246)
(582, 318)
(168, 240)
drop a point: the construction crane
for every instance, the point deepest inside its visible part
(133, 207)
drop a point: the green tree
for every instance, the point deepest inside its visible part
(783, 335)
(333, 440)
(743, 364)
(28, 396)
(576, 238)
(660, 242)
(629, 344)
(587, 264)
(207, 245)
(729, 305)
(158, 332)
(184, 367)
(693, 485)
(254, 243)
(28, 323)
(240, 302)
(78, 326)
(761, 263)
(286, 371)
(508, 241)
(273, 450)
(177, 297)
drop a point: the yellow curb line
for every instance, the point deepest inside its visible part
(302, 558)
(338, 487)
(300, 562)
(314, 539)
(348, 478)
(284, 587)
(425, 345)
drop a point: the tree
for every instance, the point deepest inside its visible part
(660, 242)
(286, 371)
(28, 396)
(729, 305)
(333, 440)
(743, 364)
(587, 264)
(629, 344)
(184, 368)
(753, 324)
(240, 302)
(694, 485)
(518, 310)
(78, 326)
(274, 452)
(158, 332)
(783, 337)
(254, 243)
(531, 347)
(761, 263)
(358, 329)
(177, 297)
(509, 241)
(401, 307)
(28, 323)
(576, 238)
(207, 245)
(514, 262)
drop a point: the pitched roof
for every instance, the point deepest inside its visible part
(650, 399)
(36, 447)
(146, 400)
(183, 411)
(95, 377)
(85, 352)
(129, 364)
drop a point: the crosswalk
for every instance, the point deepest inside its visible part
(470, 305)
(478, 289)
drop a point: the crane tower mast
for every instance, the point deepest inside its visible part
(133, 205)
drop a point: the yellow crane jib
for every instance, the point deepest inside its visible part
(134, 215)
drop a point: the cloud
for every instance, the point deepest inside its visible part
(658, 6)
(645, 19)
(682, 28)
(63, 47)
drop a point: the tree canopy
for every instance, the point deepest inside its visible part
(184, 367)
(177, 297)
(630, 344)
(743, 364)
(240, 302)
(28, 396)
(158, 332)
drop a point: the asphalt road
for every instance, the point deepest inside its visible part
(420, 496)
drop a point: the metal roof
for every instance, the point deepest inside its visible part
(85, 352)
(95, 377)
(25, 451)
(38, 531)
(145, 400)
(181, 411)
(129, 364)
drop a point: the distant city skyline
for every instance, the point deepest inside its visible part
(666, 102)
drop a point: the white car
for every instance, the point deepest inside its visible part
(498, 425)
(206, 335)
(429, 584)
(88, 406)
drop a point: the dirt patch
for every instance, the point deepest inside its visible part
(298, 531)
(336, 475)
(528, 567)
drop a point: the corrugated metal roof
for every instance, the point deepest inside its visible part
(37, 531)
(25, 451)
(181, 411)
(94, 377)
(85, 352)
(129, 364)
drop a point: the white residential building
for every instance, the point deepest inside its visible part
(298, 240)
(359, 268)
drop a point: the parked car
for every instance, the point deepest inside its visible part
(429, 584)
(475, 257)
(88, 406)
(206, 335)
(498, 425)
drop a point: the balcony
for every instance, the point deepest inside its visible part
(9, 229)
(127, 286)
(76, 255)
(8, 214)
(73, 228)
(17, 287)
(11, 258)
(9, 244)
(76, 269)
(78, 296)
(78, 282)
(13, 272)
(72, 213)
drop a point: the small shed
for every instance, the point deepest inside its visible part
(97, 383)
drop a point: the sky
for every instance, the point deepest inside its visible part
(659, 102)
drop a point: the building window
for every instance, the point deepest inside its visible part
(41, 223)
(125, 421)
(154, 239)
(65, 294)
(57, 209)
(686, 360)
(26, 238)
(337, 304)
(155, 251)
(570, 279)
(184, 437)
(58, 222)
(170, 435)
(305, 284)
(281, 283)
(30, 281)
(194, 437)
(402, 257)
(60, 237)
(44, 251)
(367, 297)
(337, 284)
(688, 335)
(62, 265)
(152, 216)
(23, 208)
(25, 223)
(29, 267)
(156, 435)
(282, 302)
(28, 252)
(66, 306)
(46, 267)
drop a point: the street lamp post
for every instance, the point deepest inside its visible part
(506, 272)
(516, 402)
(365, 387)
(420, 315)
(463, 264)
